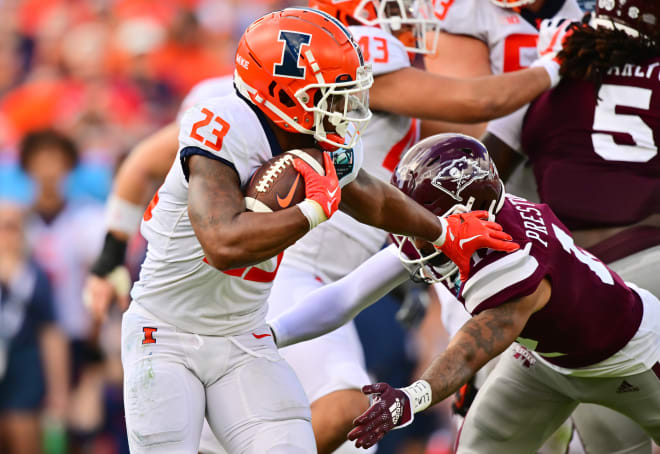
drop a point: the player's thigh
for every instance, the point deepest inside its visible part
(603, 430)
(259, 406)
(163, 400)
(515, 410)
(209, 443)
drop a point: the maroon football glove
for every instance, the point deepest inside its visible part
(391, 409)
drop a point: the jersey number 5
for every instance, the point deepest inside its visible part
(607, 119)
(218, 133)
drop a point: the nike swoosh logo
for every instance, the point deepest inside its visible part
(260, 336)
(467, 240)
(284, 202)
(332, 193)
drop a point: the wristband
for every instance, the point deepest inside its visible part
(551, 67)
(419, 394)
(123, 216)
(112, 256)
(443, 236)
(313, 211)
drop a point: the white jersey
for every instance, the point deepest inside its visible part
(510, 38)
(65, 248)
(176, 284)
(385, 139)
(511, 42)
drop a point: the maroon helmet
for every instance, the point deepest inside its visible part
(635, 17)
(447, 174)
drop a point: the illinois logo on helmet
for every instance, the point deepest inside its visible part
(411, 21)
(302, 68)
(447, 174)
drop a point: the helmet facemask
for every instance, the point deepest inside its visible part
(411, 21)
(344, 104)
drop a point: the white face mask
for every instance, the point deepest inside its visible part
(344, 104)
(393, 16)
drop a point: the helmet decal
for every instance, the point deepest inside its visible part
(293, 42)
(447, 174)
(457, 174)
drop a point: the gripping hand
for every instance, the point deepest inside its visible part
(552, 34)
(391, 409)
(464, 233)
(322, 191)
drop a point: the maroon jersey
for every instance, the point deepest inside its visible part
(591, 314)
(597, 163)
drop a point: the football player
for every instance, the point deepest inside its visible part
(194, 339)
(479, 38)
(612, 135)
(573, 331)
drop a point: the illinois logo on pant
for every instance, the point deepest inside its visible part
(149, 335)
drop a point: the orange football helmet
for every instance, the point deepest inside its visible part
(411, 21)
(302, 68)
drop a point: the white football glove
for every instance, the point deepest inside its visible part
(552, 34)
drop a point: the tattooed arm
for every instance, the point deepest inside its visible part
(483, 337)
(230, 236)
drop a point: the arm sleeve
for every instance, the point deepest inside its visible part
(333, 305)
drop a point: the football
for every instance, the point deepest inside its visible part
(277, 184)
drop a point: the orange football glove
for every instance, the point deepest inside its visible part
(464, 233)
(322, 189)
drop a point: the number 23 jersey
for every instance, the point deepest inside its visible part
(176, 284)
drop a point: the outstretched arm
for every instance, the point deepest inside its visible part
(457, 56)
(374, 202)
(333, 305)
(482, 338)
(417, 93)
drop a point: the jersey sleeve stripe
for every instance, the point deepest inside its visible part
(186, 152)
(497, 276)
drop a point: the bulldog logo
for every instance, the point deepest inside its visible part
(456, 175)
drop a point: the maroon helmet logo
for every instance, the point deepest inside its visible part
(458, 174)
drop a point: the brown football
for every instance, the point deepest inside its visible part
(277, 184)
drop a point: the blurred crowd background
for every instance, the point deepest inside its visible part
(81, 82)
